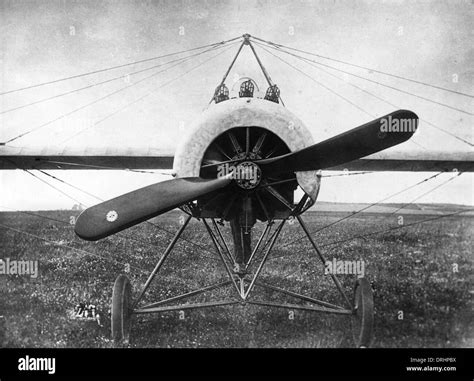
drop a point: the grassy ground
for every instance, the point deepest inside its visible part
(420, 298)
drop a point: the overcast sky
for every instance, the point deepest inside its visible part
(44, 40)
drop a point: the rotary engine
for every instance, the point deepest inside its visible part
(228, 141)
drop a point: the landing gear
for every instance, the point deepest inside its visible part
(121, 311)
(244, 282)
(363, 315)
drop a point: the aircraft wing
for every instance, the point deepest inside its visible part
(85, 158)
(429, 161)
(150, 158)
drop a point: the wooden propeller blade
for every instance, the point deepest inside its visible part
(375, 136)
(122, 212)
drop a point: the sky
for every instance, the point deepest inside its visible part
(430, 41)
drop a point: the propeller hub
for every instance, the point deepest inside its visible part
(247, 175)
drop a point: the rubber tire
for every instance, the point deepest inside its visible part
(121, 310)
(363, 317)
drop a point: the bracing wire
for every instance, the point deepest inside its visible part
(368, 207)
(320, 84)
(339, 242)
(81, 251)
(117, 66)
(394, 228)
(311, 63)
(92, 85)
(328, 88)
(101, 98)
(103, 119)
(52, 186)
(367, 68)
(388, 86)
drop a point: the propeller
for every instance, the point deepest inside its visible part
(372, 137)
(122, 212)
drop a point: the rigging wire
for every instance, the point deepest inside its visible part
(328, 88)
(394, 228)
(118, 66)
(349, 174)
(427, 192)
(338, 243)
(101, 98)
(367, 207)
(385, 85)
(103, 119)
(311, 63)
(122, 77)
(367, 68)
(101, 167)
(72, 186)
(71, 225)
(35, 215)
(52, 186)
(82, 251)
(320, 84)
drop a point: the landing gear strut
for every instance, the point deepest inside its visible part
(244, 283)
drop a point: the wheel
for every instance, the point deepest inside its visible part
(121, 310)
(363, 316)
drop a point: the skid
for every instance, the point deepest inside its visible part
(243, 283)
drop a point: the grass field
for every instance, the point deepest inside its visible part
(421, 274)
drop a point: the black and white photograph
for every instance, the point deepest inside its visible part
(236, 174)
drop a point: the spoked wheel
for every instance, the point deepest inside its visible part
(363, 316)
(121, 310)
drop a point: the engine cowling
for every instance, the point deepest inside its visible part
(286, 133)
